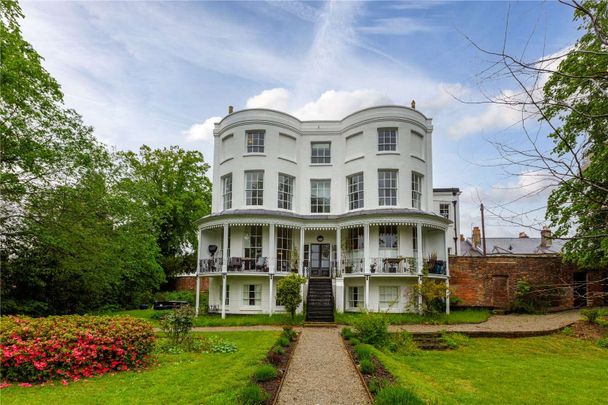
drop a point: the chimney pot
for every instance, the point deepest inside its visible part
(545, 237)
(476, 236)
(413, 104)
(230, 109)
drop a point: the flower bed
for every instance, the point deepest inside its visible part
(72, 347)
(268, 378)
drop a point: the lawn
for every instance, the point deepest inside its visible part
(463, 316)
(216, 319)
(183, 378)
(542, 370)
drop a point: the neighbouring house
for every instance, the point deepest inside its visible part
(522, 245)
(348, 204)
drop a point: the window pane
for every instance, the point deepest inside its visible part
(355, 191)
(416, 190)
(254, 187)
(284, 247)
(227, 191)
(255, 141)
(320, 195)
(285, 191)
(387, 187)
(252, 294)
(320, 152)
(444, 210)
(387, 139)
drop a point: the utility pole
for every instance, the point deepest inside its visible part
(483, 230)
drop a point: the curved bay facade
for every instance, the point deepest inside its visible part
(347, 204)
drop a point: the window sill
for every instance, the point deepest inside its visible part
(320, 164)
(388, 152)
(253, 154)
(418, 157)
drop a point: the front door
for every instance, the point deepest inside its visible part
(320, 254)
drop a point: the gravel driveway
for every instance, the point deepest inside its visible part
(321, 372)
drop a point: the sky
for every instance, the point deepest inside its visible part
(161, 73)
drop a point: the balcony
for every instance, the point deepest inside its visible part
(393, 265)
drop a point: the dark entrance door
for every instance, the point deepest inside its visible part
(320, 254)
(580, 290)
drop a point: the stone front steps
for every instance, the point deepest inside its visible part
(429, 341)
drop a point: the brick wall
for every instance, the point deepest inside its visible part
(189, 283)
(491, 281)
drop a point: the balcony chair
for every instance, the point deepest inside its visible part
(261, 264)
(235, 263)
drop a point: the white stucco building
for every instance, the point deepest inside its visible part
(348, 202)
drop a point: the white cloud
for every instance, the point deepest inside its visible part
(397, 26)
(334, 104)
(493, 116)
(203, 131)
(277, 99)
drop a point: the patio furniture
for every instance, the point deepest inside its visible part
(235, 263)
(261, 264)
(391, 264)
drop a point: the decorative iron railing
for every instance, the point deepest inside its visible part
(393, 265)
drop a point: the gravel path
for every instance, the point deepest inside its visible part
(321, 372)
(503, 323)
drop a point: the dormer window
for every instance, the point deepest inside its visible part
(320, 152)
(255, 141)
(387, 139)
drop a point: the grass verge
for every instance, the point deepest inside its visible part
(549, 369)
(463, 316)
(216, 319)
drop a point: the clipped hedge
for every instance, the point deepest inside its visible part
(72, 347)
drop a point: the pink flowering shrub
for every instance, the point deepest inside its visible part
(72, 347)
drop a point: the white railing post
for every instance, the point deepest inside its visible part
(224, 276)
(338, 251)
(198, 272)
(270, 298)
(419, 263)
(272, 262)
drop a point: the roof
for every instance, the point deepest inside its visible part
(446, 190)
(516, 246)
(293, 215)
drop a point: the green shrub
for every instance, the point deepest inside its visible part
(603, 342)
(252, 394)
(376, 384)
(278, 350)
(454, 340)
(289, 333)
(392, 395)
(363, 351)
(188, 296)
(534, 299)
(265, 373)
(217, 344)
(289, 292)
(568, 331)
(347, 333)
(591, 315)
(354, 341)
(367, 366)
(177, 324)
(372, 328)
(283, 341)
(403, 343)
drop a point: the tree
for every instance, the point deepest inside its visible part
(73, 239)
(567, 94)
(576, 97)
(172, 184)
(288, 292)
